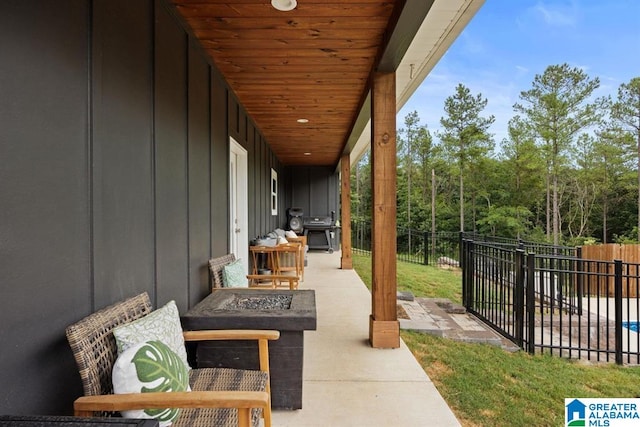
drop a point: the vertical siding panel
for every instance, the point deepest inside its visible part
(171, 160)
(219, 167)
(199, 177)
(243, 129)
(122, 128)
(233, 112)
(44, 197)
(318, 187)
(300, 189)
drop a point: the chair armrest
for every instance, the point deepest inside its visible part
(243, 400)
(180, 399)
(293, 280)
(230, 334)
(272, 277)
(262, 337)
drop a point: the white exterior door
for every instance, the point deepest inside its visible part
(238, 215)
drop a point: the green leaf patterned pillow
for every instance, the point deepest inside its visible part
(233, 275)
(150, 367)
(162, 324)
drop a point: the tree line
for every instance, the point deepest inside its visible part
(568, 172)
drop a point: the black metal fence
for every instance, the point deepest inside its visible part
(545, 298)
(419, 247)
(553, 302)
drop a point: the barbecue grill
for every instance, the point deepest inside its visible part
(320, 225)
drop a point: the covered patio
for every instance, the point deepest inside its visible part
(344, 382)
(141, 139)
(324, 82)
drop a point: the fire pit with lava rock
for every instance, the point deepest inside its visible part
(290, 312)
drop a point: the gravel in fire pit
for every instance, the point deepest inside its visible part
(267, 302)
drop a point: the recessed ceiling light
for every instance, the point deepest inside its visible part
(303, 120)
(284, 5)
(307, 153)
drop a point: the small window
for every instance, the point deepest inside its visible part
(274, 192)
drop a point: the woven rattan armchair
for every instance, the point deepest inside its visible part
(215, 268)
(219, 396)
(216, 265)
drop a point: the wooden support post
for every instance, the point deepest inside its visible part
(346, 262)
(384, 328)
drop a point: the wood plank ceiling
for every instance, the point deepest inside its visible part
(313, 63)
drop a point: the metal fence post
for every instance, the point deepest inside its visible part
(579, 280)
(426, 247)
(463, 267)
(519, 298)
(466, 262)
(618, 309)
(531, 304)
(461, 252)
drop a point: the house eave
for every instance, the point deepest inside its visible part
(443, 22)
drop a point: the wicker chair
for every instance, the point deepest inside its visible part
(216, 265)
(219, 396)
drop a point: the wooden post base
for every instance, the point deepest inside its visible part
(346, 263)
(384, 333)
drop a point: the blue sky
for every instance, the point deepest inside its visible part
(508, 42)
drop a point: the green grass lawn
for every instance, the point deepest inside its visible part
(421, 280)
(487, 386)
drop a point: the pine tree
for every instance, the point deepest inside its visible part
(466, 136)
(557, 107)
(626, 111)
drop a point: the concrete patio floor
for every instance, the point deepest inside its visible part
(345, 381)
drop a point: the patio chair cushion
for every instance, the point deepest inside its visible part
(150, 367)
(162, 324)
(215, 268)
(234, 276)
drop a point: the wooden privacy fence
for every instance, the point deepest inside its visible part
(600, 280)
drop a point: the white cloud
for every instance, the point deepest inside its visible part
(556, 15)
(583, 68)
(428, 101)
(471, 44)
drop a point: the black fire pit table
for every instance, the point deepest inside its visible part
(290, 312)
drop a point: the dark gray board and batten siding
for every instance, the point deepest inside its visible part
(113, 177)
